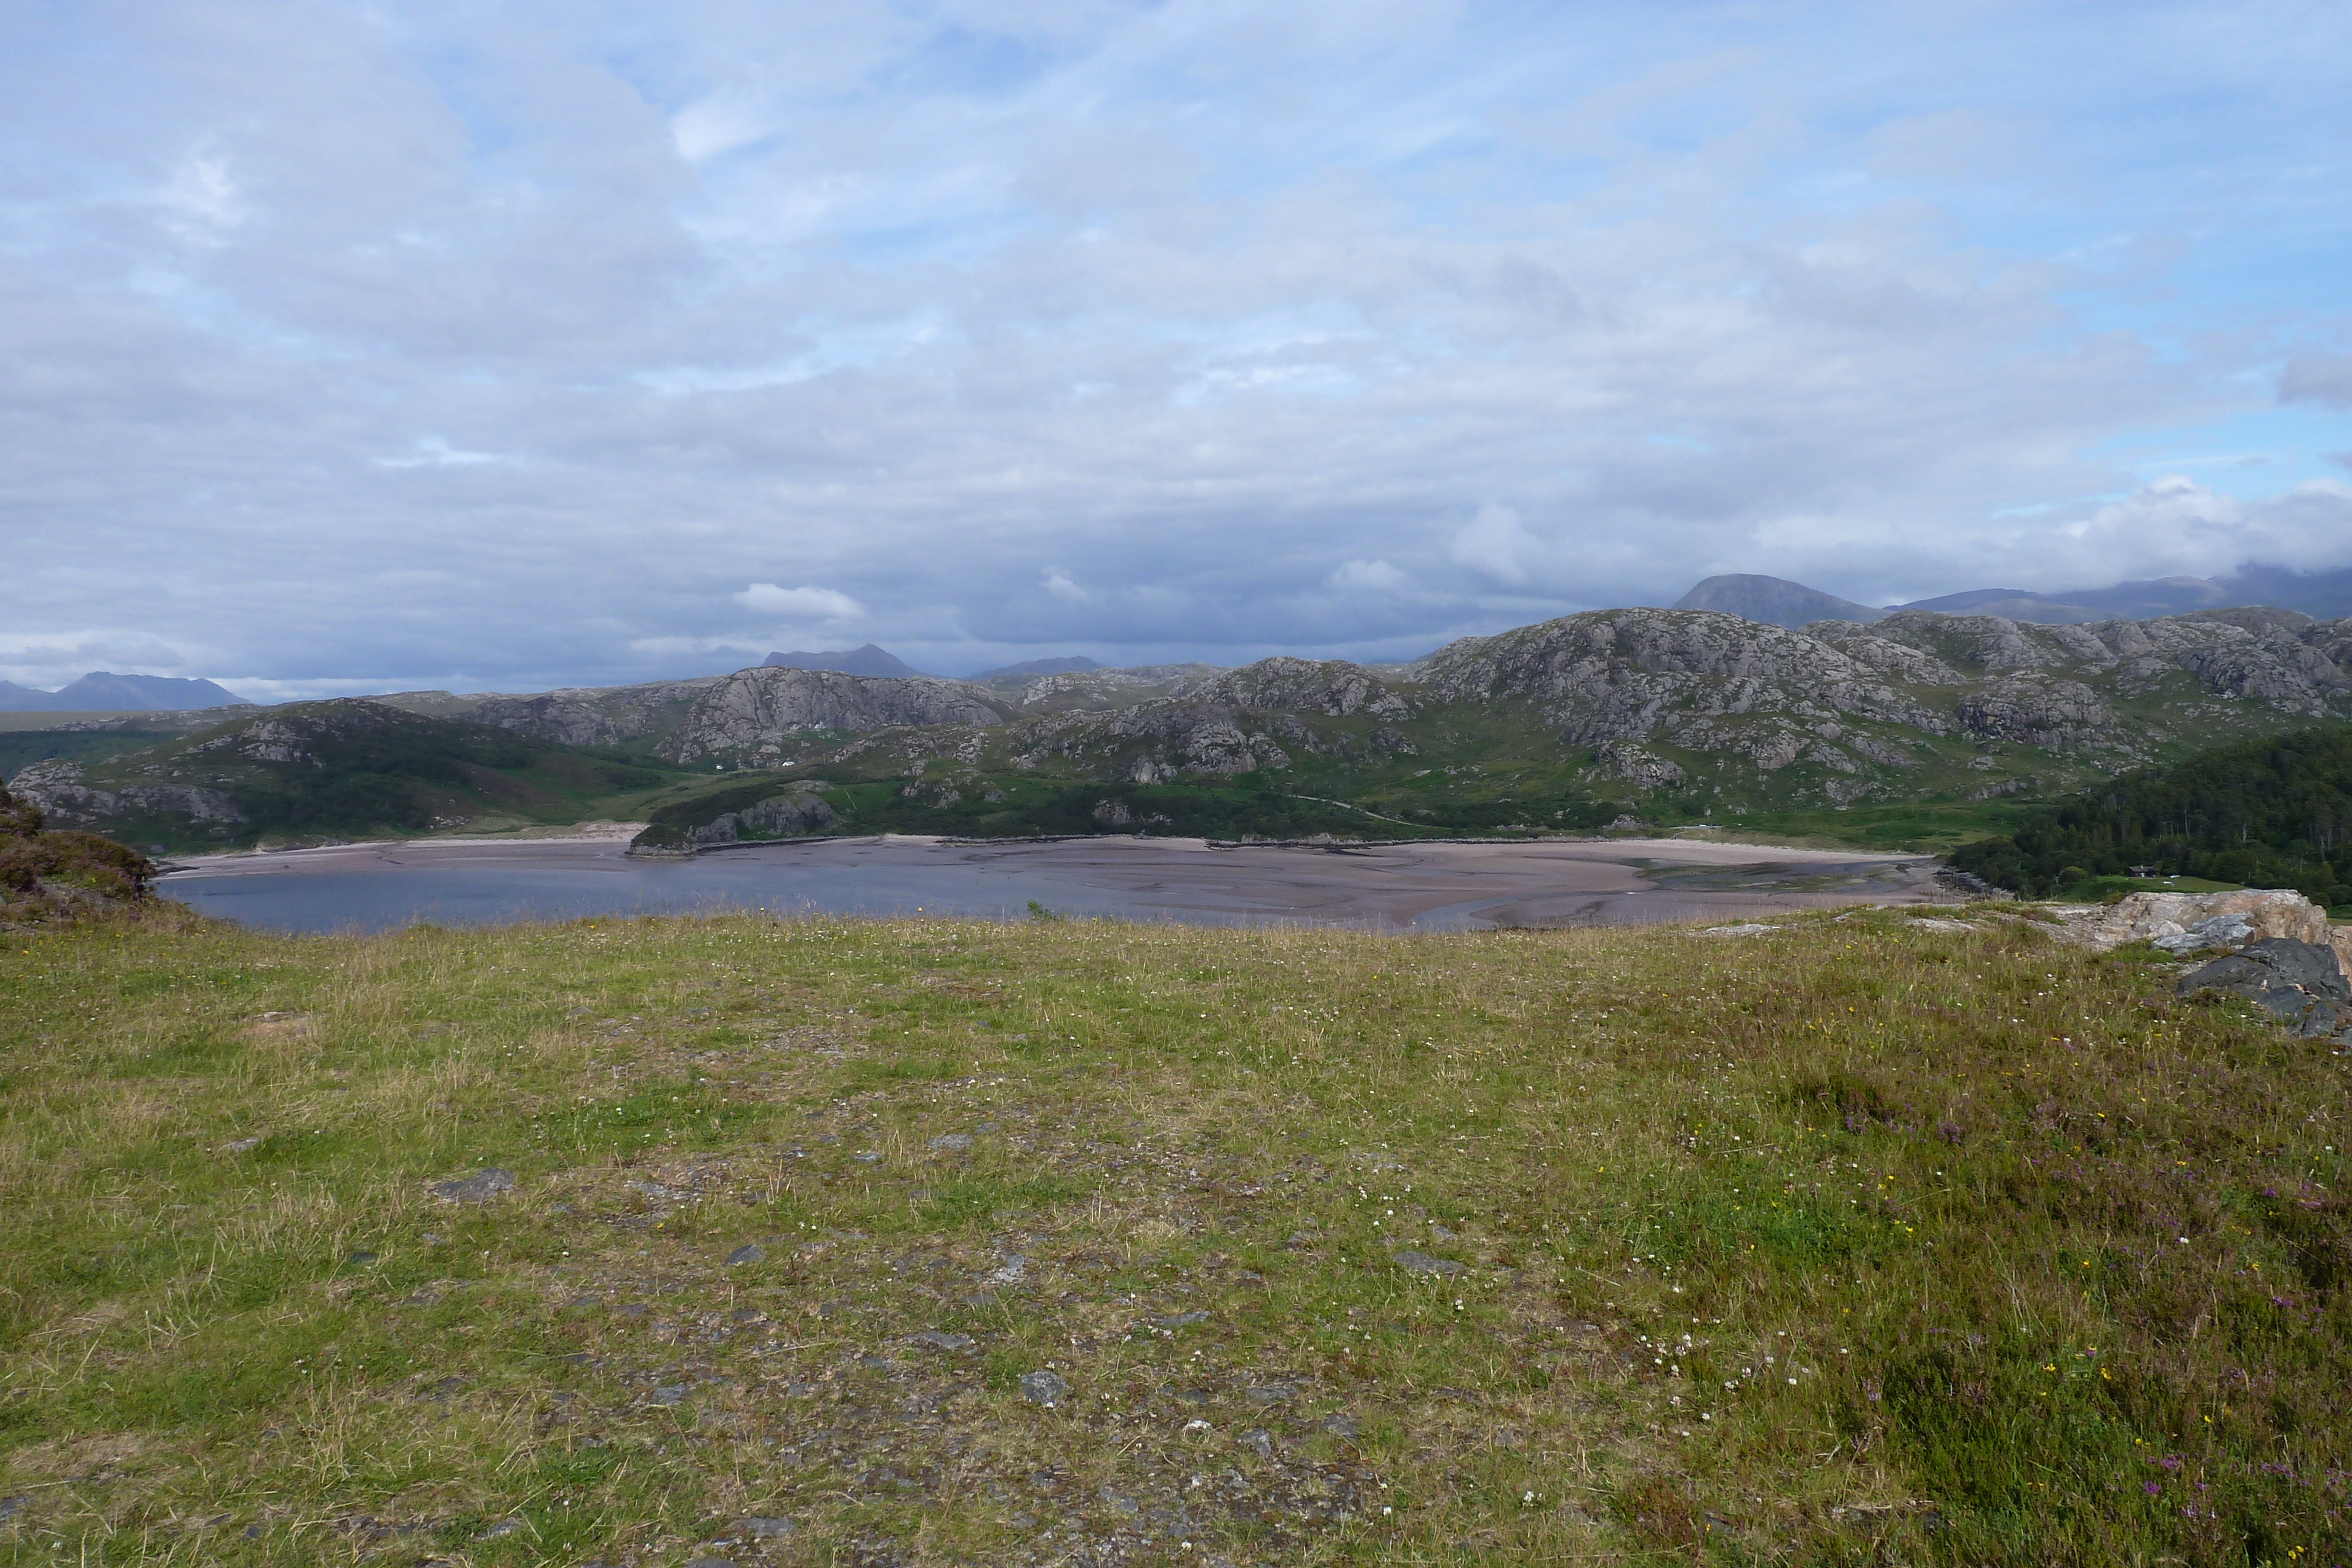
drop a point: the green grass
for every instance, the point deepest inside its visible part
(1857, 1243)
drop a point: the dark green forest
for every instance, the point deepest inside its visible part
(2266, 813)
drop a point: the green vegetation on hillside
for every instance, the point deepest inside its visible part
(1858, 1243)
(347, 769)
(2268, 813)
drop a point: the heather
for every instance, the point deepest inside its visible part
(1863, 1240)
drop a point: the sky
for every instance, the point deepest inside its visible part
(367, 347)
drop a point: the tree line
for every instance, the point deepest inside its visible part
(2265, 813)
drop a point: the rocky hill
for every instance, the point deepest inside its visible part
(1675, 715)
(328, 769)
(865, 660)
(48, 875)
(766, 716)
(1774, 600)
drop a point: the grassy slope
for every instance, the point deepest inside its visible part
(2010, 1258)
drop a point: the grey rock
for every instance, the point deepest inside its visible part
(795, 814)
(707, 1561)
(750, 1253)
(756, 713)
(240, 1146)
(952, 1142)
(1413, 1262)
(2204, 935)
(1182, 1320)
(1122, 1502)
(667, 1393)
(1047, 1389)
(1342, 1424)
(2299, 983)
(767, 1528)
(1260, 1440)
(939, 1339)
(480, 1187)
(500, 1531)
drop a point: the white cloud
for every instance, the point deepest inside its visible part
(433, 451)
(1370, 576)
(802, 604)
(201, 200)
(1495, 543)
(1870, 299)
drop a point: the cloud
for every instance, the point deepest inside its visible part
(1493, 543)
(476, 345)
(802, 604)
(2317, 378)
(1368, 576)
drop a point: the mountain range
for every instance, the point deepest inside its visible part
(1662, 714)
(102, 691)
(1776, 601)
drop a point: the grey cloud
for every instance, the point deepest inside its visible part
(414, 346)
(2317, 378)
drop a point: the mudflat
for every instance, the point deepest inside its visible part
(1417, 887)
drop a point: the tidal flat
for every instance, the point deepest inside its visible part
(820, 1240)
(1386, 886)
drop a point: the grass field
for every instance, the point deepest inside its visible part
(1856, 1242)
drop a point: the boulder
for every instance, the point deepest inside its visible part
(2300, 983)
(2184, 922)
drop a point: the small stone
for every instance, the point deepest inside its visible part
(939, 1339)
(667, 1393)
(1122, 1501)
(1413, 1262)
(1342, 1424)
(710, 1563)
(952, 1142)
(500, 1531)
(480, 1187)
(1182, 1320)
(750, 1253)
(1259, 1440)
(240, 1146)
(1046, 1388)
(765, 1529)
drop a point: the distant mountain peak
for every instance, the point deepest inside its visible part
(102, 691)
(1773, 601)
(1071, 664)
(868, 660)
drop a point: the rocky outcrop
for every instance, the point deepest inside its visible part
(50, 874)
(752, 714)
(591, 716)
(1640, 766)
(59, 790)
(2198, 922)
(2037, 710)
(1622, 674)
(1334, 689)
(1155, 740)
(2299, 983)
